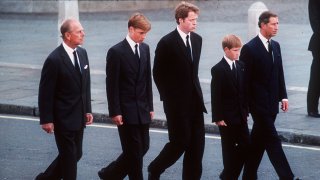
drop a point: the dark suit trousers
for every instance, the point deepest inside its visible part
(186, 135)
(70, 151)
(235, 144)
(135, 142)
(314, 84)
(264, 136)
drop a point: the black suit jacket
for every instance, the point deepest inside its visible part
(228, 94)
(314, 17)
(175, 73)
(64, 97)
(129, 84)
(266, 84)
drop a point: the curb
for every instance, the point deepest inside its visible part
(285, 136)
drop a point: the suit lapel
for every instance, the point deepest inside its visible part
(182, 46)
(229, 73)
(194, 49)
(143, 59)
(68, 64)
(83, 64)
(131, 60)
(240, 72)
(265, 52)
(266, 59)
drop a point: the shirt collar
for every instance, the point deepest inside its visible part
(131, 43)
(69, 50)
(229, 61)
(264, 40)
(183, 35)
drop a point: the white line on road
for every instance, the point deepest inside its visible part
(151, 130)
(19, 118)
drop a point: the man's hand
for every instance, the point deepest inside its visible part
(49, 127)
(285, 105)
(89, 118)
(117, 120)
(152, 115)
(221, 123)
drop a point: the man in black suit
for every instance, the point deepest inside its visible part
(65, 100)
(175, 73)
(129, 93)
(266, 87)
(314, 82)
(229, 107)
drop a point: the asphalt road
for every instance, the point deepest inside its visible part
(26, 150)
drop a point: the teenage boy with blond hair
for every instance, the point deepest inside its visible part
(129, 94)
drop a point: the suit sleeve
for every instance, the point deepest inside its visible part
(246, 58)
(88, 88)
(282, 84)
(216, 95)
(314, 16)
(49, 76)
(149, 82)
(159, 68)
(112, 82)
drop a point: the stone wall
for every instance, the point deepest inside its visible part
(51, 6)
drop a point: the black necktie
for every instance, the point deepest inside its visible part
(270, 49)
(234, 70)
(136, 51)
(188, 47)
(76, 64)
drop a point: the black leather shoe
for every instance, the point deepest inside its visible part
(40, 177)
(296, 178)
(101, 173)
(221, 175)
(153, 176)
(313, 114)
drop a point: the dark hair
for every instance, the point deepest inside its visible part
(138, 20)
(265, 17)
(182, 10)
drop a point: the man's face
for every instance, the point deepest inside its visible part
(189, 23)
(76, 34)
(137, 35)
(270, 29)
(233, 53)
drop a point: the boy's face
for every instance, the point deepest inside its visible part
(233, 53)
(137, 35)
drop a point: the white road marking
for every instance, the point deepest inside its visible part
(314, 148)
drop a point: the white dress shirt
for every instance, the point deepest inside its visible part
(132, 44)
(70, 52)
(229, 61)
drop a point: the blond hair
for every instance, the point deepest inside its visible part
(138, 20)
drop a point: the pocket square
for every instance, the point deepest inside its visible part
(85, 67)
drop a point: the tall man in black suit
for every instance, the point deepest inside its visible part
(266, 87)
(314, 47)
(229, 107)
(129, 93)
(65, 100)
(175, 73)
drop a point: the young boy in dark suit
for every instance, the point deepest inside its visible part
(229, 107)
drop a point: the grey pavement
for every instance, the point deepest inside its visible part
(27, 39)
